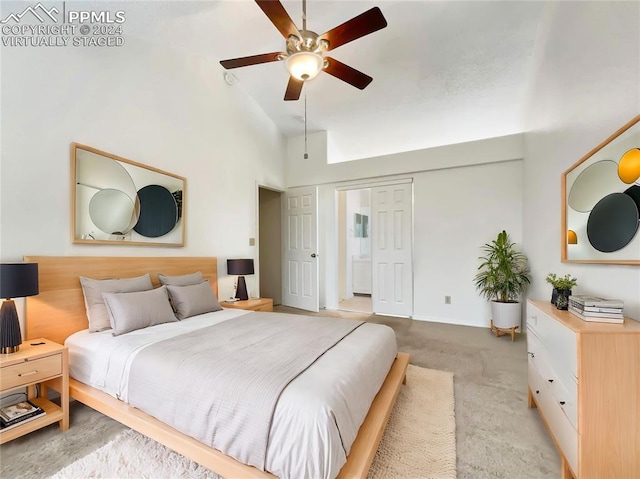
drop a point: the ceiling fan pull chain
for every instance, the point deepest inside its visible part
(306, 155)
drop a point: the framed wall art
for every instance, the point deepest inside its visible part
(601, 202)
(119, 201)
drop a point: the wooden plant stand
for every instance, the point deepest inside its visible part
(502, 331)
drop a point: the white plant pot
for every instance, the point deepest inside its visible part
(506, 315)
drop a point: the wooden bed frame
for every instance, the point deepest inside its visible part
(59, 311)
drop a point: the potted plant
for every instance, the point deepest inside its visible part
(561, 289)
(501, 278)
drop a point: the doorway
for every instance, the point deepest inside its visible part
(270, 243)
(354, 250)
(375, 248)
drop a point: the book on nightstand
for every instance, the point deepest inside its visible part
(11, 416)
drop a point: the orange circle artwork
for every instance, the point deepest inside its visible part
(629, 166)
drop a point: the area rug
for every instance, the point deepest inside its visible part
(419, 442)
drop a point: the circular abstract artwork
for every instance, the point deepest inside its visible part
(158, 211)
(613, 222)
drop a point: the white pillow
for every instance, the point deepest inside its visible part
(182, 280)
(131, 311)
(192, 300)
(93, 288)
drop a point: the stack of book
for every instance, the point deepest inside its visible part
(600, 310)
(16, 414)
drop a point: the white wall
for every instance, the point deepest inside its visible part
(586, 87)
(153, 106)
(456, 211)
(316, 171)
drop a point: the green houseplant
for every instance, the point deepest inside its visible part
(502, 277)
(562, 287)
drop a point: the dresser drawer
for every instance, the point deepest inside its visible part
(559, 425)
(29, 372)
(561, 384)
(560, 341)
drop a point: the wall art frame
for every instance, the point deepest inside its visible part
(117, 201)
(600, 202)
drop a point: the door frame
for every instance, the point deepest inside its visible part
(370, 184)
(257, 228)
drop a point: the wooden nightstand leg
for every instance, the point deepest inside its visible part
(64, 392)
(530, 399)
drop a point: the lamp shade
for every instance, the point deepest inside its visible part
(18, 280)
(240, 266)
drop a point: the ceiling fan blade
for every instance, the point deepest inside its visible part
(364, 24)
(294, 88)
(279, 17)
(252, 60)
(347, 73)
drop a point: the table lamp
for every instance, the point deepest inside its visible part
(240, 267)
(17, 280)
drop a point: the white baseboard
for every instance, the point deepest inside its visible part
(455, 322)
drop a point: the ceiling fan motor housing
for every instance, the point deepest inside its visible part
(307, 42)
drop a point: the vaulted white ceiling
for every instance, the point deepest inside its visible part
(444, 71)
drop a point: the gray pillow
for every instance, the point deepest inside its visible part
(131, 311)
(93, 288)
(192, 300)
(182, 280)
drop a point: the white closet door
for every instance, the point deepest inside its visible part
(300, 262)
(392, 249)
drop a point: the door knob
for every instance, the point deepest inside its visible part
(313, 255)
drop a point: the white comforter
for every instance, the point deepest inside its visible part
(303, 443)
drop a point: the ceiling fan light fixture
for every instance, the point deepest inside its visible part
(304, 65)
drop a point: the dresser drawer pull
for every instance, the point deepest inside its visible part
(35, 371)
(531, 354)
(537, 391)
(550, 380)
(562, 403)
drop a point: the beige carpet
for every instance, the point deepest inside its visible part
(419, 442)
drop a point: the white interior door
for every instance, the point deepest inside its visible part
(392, 249)
(300, 260)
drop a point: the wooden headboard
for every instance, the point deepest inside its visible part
(59, 310)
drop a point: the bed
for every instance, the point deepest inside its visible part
(58, 312)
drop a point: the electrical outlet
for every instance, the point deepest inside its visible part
(447, 300)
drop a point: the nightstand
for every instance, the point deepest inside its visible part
(259, 304)
(34, 364)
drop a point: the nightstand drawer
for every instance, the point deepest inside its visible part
(265, 307)
(29, 372)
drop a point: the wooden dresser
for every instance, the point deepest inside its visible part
(584, 377)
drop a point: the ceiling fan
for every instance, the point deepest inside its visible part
(304, 57)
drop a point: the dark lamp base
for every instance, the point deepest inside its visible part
(241, 290)
(10, 337)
